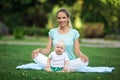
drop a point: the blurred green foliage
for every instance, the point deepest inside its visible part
(35, 31)
(93, 30)
(18, 33)
(105, 11)
(41, 13)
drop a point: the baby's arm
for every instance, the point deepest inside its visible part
(66, 69)
(47, 68)
(66, 63)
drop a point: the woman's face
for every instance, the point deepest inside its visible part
(62, 19)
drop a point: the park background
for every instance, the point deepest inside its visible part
(24, 26)
(92, 18)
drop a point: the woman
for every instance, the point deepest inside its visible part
(70, 36)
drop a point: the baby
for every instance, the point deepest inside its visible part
(58, 59)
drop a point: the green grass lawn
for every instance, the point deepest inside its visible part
(14, 55)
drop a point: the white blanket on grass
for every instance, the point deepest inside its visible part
(85, 69)
(78, 62)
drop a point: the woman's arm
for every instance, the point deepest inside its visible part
(78, 52)
(48, 47)
(43, 51)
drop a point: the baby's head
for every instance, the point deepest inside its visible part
(59, 47)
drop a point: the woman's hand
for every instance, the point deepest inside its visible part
(84, 58)
(43, 51)
(35, 53)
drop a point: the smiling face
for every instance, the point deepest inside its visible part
(62, 19)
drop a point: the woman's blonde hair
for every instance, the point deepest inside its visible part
(67, 14)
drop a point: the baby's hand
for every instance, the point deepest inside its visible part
(48, 69)
(66, 69)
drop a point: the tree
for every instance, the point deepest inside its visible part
(22, 12)
(28, 12)
(105, 11)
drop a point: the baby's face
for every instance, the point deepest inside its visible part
(59, 49)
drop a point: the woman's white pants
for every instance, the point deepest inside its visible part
(73, 64)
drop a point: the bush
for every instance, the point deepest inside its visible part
(112, 37)
(44, 32)
(3, 29)
(35, 31)
(0, 36)
(31, 31)
(18, 33)
(91, 30)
